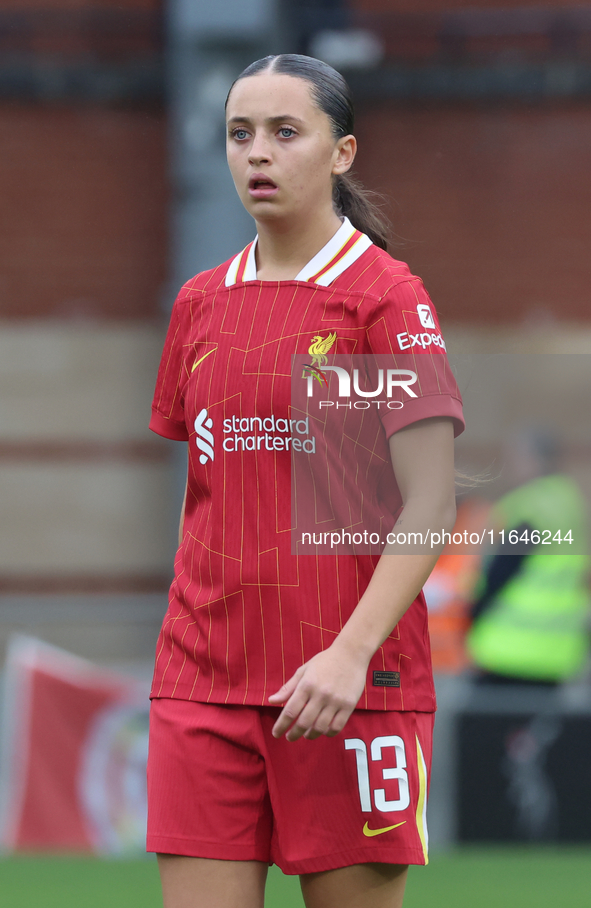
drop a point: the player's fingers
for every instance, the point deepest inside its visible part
(339, 721)
(290, 712)
(306, 719)
(319, 700)
(322, 724)
(288, 688)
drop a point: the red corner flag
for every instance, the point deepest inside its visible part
(74, 747)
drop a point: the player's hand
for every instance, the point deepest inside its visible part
(321, 695)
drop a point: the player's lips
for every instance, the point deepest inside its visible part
(261, 187)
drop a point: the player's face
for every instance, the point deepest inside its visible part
(281, 150)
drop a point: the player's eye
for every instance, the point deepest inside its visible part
(286, 132)
(239, 133)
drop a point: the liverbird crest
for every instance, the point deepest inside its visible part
(320, 347)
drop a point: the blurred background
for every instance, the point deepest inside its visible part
(473, 120)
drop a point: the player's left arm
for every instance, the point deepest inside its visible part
(323, 692)
(183, 511)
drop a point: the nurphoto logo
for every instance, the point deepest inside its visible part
(387, 381)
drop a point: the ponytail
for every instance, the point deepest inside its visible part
(333, 97)
(353, 201)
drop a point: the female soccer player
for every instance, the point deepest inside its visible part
(292, 702)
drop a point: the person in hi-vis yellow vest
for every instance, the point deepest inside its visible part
(530, 622)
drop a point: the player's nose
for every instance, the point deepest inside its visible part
(260, 151)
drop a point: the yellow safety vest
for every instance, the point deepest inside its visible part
(536, 625)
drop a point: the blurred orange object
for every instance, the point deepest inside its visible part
(449, 589)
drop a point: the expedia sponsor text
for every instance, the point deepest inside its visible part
(424, 339)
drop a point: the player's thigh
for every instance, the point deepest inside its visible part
(358, 886)
(205, 883)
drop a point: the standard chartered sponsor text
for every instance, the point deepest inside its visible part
(269, 433)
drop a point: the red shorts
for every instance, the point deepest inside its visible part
(221, 786)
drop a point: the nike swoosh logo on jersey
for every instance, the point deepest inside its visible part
(369, 832)
(199, 361)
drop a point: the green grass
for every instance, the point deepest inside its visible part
(516, 877)
(72, 882)
(509, 877)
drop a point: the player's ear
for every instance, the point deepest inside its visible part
(345, 151)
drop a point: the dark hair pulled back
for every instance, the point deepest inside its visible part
(333, 97)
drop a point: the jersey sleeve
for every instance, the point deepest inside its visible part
(168, 415)
(405, 326)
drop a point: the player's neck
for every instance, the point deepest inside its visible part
(284, 249)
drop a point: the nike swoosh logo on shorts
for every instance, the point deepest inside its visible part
(370, 832)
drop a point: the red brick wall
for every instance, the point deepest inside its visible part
(105, 30)
(83, 190)
(438, 6)
(494, 204)
(80, 4)
(84, 211)
(428, 31)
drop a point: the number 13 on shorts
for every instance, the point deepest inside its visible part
(397, 771)
(388, 755)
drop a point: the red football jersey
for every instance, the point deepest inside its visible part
(244, 611)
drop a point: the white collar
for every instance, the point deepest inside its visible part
(340, 252)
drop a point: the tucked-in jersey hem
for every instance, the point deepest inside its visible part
(374, 701)
(195, 848)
